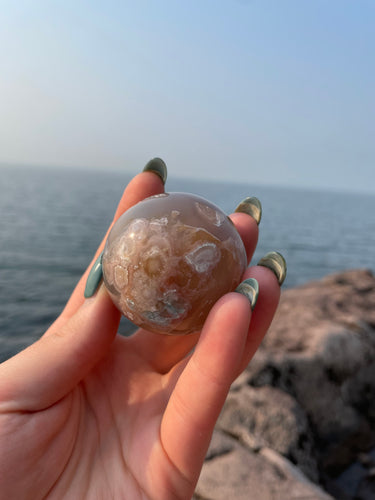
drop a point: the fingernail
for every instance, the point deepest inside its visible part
(94, 278)
(276, 262)
(250, 289)
(159, 168)
(251, 206)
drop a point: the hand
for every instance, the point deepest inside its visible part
(86, 413)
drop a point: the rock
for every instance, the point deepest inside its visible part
(321, 350)
(366, 490)
(243, 475)
(307, 401)
(267, 416)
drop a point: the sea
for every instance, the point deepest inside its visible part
(52, 220)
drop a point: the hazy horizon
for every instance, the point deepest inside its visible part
(179, 177)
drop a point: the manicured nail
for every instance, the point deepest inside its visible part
(159, 168)
(94, 278)
(276, 262)
(250, 289)
(251, 206)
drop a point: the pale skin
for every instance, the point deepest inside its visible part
(88, 414)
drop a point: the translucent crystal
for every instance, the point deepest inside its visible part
(169, 258)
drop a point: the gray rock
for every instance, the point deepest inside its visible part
(244, 475)
(304, 409)
(321, 350)
(366, 490)
(266, 416)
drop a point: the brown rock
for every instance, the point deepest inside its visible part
(308, 397)
(243, 475)
(266, 416)
(321, 350)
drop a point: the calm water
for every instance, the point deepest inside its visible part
(52, 221)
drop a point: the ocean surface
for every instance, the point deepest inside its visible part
(52, 221)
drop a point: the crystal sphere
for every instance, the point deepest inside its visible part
(169, 258)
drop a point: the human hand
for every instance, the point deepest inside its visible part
(86, 413)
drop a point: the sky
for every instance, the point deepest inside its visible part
(273, 92)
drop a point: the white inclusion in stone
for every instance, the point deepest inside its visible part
(129, 315)
(203, 257)
(173, 304)
(108, 270)
(137, 229)
(125, 247)
(216, 218)
(157, 225)
(167, 309)
(121, 277)
(157, 318)
(130, 304)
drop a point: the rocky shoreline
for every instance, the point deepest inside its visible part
(299, 422)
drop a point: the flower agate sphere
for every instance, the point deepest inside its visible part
(169, 258)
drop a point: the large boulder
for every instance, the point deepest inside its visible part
(308, 396)
(232, 472)
(268, 417)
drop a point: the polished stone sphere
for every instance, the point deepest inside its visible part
(169, 258)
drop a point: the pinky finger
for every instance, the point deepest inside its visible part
(263, 314)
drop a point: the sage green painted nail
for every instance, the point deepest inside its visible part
(276, 262)
(250, 289)
(251, 206)
(159, 168)
(94, 278)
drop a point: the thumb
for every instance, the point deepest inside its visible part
(49, 369)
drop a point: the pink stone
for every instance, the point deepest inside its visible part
(169, 258)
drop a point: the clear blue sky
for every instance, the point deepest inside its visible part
(260, 91)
